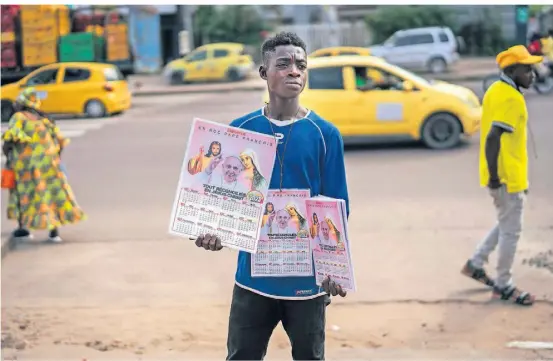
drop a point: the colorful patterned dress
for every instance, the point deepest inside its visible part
(42, 198)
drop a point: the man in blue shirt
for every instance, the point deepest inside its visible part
(310, 155)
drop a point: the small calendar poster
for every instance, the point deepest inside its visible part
(223, 184)
(284, 248)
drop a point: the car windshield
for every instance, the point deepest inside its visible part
(390, 41)
(113, 74)
(405, 74)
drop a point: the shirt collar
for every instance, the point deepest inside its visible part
(504, 78)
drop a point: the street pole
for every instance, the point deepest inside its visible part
(189, 24)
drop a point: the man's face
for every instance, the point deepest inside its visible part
(523, 75)
(232, 167)
(286, 71)
(215, 149)
(325, 230)
(282, 218)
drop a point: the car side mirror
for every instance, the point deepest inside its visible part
(408, 86)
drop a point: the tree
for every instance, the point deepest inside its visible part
(389, 19)
(236, 23)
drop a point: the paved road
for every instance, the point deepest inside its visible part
(121, 283)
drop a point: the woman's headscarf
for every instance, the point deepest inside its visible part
(258, 179)
(300, 216)
(29, 98)
(334, 228)
(253, 156)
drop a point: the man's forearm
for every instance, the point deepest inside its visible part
(493, 146)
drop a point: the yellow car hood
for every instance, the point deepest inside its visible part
(10, 91)
(461, 92)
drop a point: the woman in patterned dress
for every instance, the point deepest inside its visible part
(42, 197)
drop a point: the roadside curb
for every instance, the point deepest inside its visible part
(260, 87)
(170, 91)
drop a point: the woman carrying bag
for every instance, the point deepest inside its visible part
(40, 196)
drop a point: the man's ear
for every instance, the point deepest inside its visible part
(263, 72)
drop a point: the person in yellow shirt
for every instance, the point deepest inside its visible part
(547, 48)
(504, 170)
(547, 45)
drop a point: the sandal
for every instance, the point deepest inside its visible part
(508, 294)
(477, 274)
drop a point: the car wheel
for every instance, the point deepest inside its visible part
(177, 78)
(437, 66)
(95, 109)
(233, 75)
(7, 111)
(544, 86)
(441, 131)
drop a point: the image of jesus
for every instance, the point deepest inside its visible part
(201, 161)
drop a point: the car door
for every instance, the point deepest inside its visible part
(76, 80)
(196, 65)
(218, 63)
(326, 94)
(384, 109)
(49, 90)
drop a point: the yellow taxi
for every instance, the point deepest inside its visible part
(211, 62)
(370, 99)
(92, 89)
(340, 51)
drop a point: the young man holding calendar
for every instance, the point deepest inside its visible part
(310, 155)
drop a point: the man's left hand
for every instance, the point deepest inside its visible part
(332, 288)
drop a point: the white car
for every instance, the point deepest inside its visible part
(433, 49)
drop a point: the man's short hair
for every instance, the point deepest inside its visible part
(281, 39)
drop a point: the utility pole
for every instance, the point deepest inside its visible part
(186, 32)
(521, 21)
(333, 24)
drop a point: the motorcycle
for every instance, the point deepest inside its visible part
(543, 83)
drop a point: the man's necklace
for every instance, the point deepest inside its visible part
(281, 159)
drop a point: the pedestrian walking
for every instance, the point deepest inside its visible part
(41, 197)
(310, 156)
(504, 170)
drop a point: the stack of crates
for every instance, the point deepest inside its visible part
(41, 27)
(117, 42)
(9, 52)
(83, 47)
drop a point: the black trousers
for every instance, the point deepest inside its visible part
(254, 317)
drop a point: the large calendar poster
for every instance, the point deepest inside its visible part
(284, 247)
(223, 184)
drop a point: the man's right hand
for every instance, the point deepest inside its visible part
(494, 183)
(209, 242)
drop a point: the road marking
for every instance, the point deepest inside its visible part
(75, 128)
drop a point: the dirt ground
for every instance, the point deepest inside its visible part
(190, 332)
